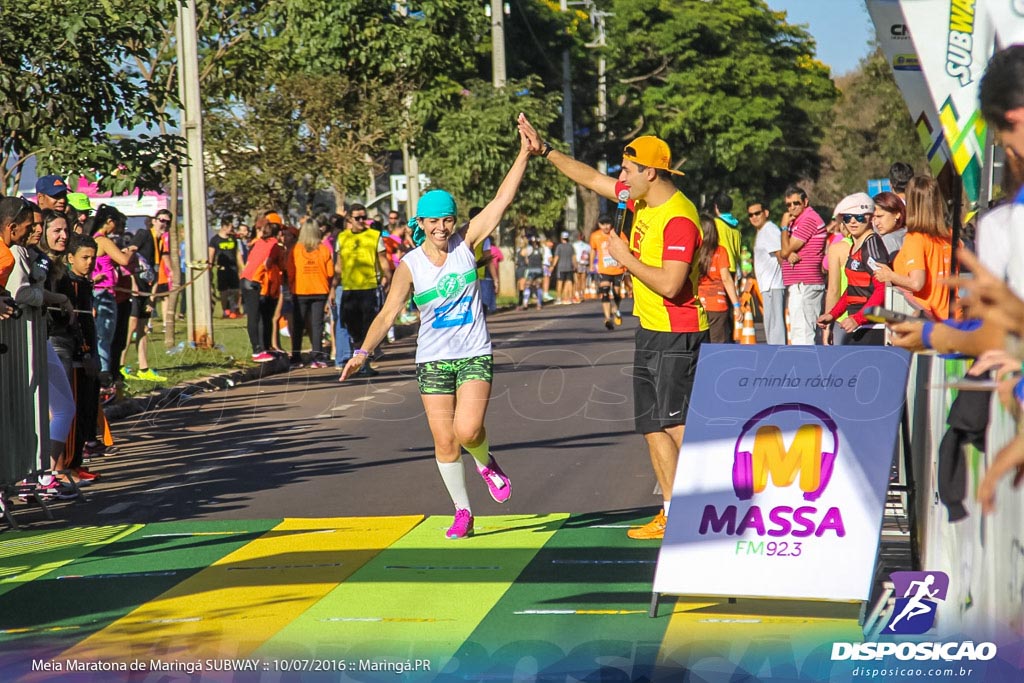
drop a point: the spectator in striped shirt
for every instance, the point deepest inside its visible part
(803, 248)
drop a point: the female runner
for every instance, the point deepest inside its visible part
(453, 350)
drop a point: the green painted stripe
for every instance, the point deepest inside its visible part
(80, 597)
(26, 556)
(421, 597)
(580, 606)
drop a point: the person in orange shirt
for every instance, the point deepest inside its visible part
(310, 268)
(261, 284)
(609, 271)
(923, 261)
(15, 223)
(716, 289)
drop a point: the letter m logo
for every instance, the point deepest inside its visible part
(771, 457)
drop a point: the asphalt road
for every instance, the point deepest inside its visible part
(301, 444)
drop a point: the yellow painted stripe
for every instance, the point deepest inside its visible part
(228, 609)
(762, 629)
(28, 555)
(423, 596)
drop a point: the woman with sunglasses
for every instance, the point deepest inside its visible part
(863, 289)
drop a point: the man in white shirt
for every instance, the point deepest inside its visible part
(768, 272)
(582, 251)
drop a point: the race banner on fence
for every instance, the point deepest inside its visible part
(953, 40)
(782, 476)
(1008, 19)
(894, 40)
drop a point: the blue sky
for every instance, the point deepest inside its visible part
(841, 28)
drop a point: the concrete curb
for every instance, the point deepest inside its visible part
(160, 398)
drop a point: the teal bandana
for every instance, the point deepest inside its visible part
(433, 204)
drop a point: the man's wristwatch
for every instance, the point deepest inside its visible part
(547, 149)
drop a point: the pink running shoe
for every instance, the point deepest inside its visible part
(499, 485)
(262, 357)
(462, 527)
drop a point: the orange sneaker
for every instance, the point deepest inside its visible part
(654, 529)
(85, 475)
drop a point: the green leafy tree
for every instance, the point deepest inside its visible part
(257, 159)
(67, 100)
(374, 73)
(732, 87)
(871, 129)
(474, 144)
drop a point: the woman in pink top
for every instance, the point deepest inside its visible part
(107, 222)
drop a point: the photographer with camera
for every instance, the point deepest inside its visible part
(144, 277)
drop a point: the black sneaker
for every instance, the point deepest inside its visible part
(609, 325)
(367, 371)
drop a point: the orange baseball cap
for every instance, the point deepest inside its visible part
(275, 218)
(648, 150)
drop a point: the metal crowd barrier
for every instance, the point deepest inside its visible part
(24, 410)
(983, 555)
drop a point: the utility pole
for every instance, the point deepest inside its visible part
(410, 164)
(200, 312)
(497, 11)
(568, 132)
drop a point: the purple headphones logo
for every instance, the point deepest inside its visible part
(768, 456)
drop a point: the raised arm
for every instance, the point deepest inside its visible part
(484, 223)
(576, 171)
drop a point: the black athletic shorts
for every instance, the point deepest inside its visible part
(141, 305)
(227, 279)
(664, 365)
(608, 281)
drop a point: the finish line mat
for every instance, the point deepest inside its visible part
(553, 597)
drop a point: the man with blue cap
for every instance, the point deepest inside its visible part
(52, 193)
(454, 365)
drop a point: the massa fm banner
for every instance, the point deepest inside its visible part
(782, 477)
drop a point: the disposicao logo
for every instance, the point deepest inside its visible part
(761, 456)
(917, 597)
(914, 612)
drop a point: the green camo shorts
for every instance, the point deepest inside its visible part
(446, 376)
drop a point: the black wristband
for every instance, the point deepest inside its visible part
(547, 150)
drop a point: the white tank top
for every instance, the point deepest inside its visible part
(452, 322)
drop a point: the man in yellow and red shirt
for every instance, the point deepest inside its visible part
(673, 324)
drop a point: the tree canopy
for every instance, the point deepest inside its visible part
(307, 96)
(733, 88)
(67, 100)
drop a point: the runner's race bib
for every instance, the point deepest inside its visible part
(455, 314)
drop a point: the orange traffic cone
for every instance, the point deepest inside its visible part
(748, 336)
(737, 328)
(789, 332)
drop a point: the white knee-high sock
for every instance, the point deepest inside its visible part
(526, 296)
(453, 474)
(481, 453)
